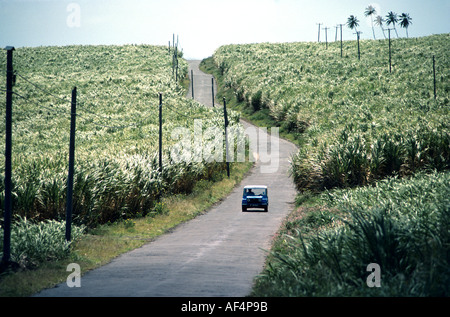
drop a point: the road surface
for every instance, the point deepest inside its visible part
(217, 254)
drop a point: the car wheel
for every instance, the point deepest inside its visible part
(266, 208)
(244, 208)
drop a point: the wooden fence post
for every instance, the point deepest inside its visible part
(69, 198)
(192, 83)
(8, 169)
(390, 59)
(226, 135)
(212, 88)
(160, 133)
(434, 77)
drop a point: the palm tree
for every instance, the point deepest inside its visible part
(370, 11)
(391, 18)
(405, 22)
(352, 23)
(379, 21)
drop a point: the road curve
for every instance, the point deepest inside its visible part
(217, 254)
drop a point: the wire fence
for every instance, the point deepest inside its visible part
(63, 106)
(101, 121)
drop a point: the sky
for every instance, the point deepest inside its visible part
(202, 26)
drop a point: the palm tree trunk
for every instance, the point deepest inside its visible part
(373, 30)
(357, 38)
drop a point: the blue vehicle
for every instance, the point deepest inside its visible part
(255, 196)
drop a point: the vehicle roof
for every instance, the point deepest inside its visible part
(255, 186)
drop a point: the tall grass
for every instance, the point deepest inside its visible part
(117, 174)
(374, 154)
(402, 225)
(355, 121)
(355, 161)
(36, 242)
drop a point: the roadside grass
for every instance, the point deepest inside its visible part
(105, 242)
(324, 247)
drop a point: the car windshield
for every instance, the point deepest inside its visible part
(255, 191)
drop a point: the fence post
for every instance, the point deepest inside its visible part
(212, 88)
(173, 61)
(176, 72)
(326, 35)
(160, 133)
(192, 83)
(69, 199)
(318, 36)
(434, 77)
(359, 51)
(8, 145)
(226, 135)
(390, 59)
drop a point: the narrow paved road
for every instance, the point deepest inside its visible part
(216, 254)
(202, 85)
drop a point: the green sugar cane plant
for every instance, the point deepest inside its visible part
(364, 126)
(400, 224)
(35, 242)
(303, 93)
(116, 164)
(393, 153)
(347, 164)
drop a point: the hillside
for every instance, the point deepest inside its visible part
(372, 170)
(116, 157)
(355, 121)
